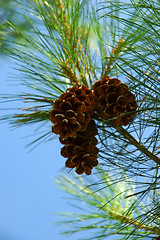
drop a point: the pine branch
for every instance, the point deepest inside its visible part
(139, 145)
(108, 218)
(122, 218)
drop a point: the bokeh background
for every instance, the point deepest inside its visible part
(29, 198)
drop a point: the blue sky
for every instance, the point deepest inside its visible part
(29, 195)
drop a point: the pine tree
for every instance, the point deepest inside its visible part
(111, 49)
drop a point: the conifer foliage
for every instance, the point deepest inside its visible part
(92, 75)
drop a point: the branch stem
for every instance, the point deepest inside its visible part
(139, 145)
(133, 222)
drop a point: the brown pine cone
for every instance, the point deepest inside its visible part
(72, 111)
(114, 99)
(81, 150)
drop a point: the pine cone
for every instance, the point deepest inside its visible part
(113, 99)
(72, 111)
(81, 150)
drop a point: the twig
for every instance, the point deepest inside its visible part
(139, 145)
(133, 222)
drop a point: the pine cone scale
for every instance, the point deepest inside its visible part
(81, 150)
(114, 99)
(72, 111)
(71, 116)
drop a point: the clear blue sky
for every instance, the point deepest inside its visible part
(29, 196)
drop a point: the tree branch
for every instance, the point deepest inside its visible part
(129, 221)
(139, 145)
